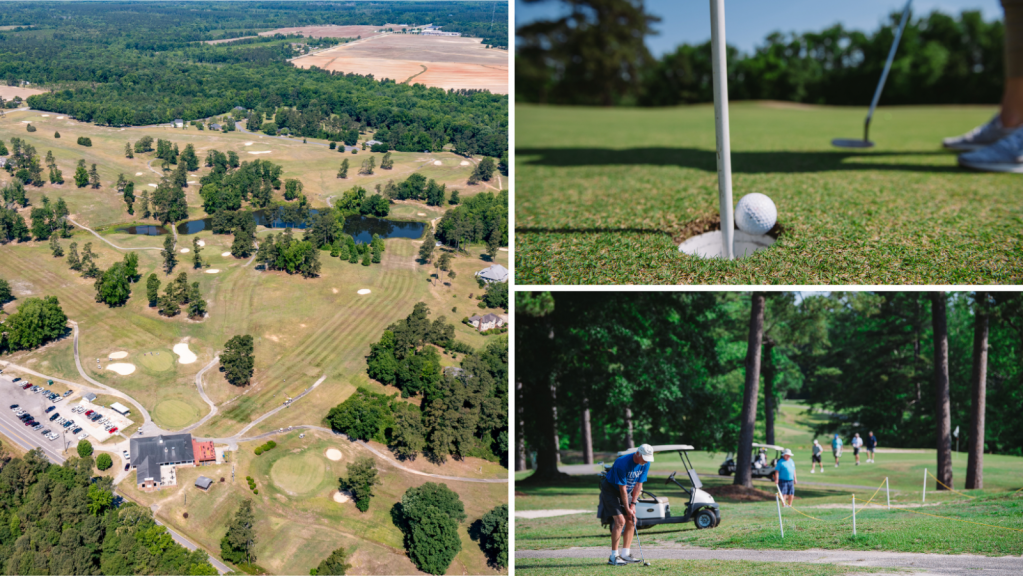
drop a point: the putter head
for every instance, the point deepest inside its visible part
(851, 143)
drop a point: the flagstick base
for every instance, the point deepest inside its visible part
(711, 245)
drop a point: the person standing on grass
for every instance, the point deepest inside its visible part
(836, 448)
(816, 458)
(785, 477)
(857, 443)
(871, 445)
(619, 492)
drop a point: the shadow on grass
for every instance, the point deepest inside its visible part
(742, 162)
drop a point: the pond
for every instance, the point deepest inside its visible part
(362, 228)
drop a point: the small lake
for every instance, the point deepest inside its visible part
(361, 228)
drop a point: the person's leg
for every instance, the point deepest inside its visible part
(617, 523)
(630, 528)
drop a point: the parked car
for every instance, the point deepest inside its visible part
(51, 408)
(26, 386)
(16, 380)
(37, 426)
(54, 417)
(14, 406)
(83, 435)
(90, 412)
(76, 430)
(47, 431)
(114, 429)
(127, 467)
(126, 455)
(68, 393)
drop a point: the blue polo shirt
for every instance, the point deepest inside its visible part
(625, 472)
(786, 469)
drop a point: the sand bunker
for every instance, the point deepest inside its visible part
(46, 115)
(122, 369)
(185, 250)
(364, 291)
(333, 454)
(138, 173)
(201, 243)
(421, 214)
(248, 143)
(260, 152)
(463, 163)
(340, 497)
(548, 513)
(225, 254)
(186, 355)
(60, 117)
(117, 355)
(213, 270)
(153, 185)
(26, 121)
(437, 163)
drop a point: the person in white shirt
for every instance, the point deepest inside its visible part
(857, 443)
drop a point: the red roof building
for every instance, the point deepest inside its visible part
(204, 452)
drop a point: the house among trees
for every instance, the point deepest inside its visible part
(179, 123)
(373, 142)
(203, 483)
(3, 162)
(488, 322)
(216, 126)
(150, 455)
(495, 273)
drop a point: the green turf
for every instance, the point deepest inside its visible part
(156, 360)
(586, 567)
(604, 196)
(174, 414)
(299, 473)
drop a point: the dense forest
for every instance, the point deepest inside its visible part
(462, 411)
(123, 64)
(60, 520)
(942, 59)
(649, 365)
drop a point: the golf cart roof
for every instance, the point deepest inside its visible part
(769, 447)
(663, 448)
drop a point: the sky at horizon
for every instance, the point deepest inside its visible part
(749, 21)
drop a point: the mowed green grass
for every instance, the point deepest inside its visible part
(586, 567)
(299, 473)
(156, 360)
(827, 498)
(173, 414)
(604, 196)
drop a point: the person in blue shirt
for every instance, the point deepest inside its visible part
(836, 449)
(785, 478)
(619, 492)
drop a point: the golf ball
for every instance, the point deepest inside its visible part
(755, 214)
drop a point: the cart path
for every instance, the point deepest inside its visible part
(281, 407)
(202, 393)
(930, 563)
(94, 233)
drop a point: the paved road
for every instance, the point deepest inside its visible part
(931, 563)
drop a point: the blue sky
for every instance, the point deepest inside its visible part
(749, 21)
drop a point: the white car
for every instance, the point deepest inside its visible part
(83, 435)
(126, 455)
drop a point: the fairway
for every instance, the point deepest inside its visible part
(604, 196)
(156, 360)
(299, 473)
(174, 414)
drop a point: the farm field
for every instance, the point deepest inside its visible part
(442, 62)
(605, 196)
(298, 520)
(331, 31)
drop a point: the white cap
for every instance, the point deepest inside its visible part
(787, 452)
(646, 451)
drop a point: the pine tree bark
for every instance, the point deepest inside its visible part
(587, 434)
(630, 442)
(942, 410)
(520, 440)
(975, 445)
(743, 475)
(768, 371)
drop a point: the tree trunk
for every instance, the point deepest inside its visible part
(630, 442)
(520, 439)
(942, 415)
(975, 444)
(587, 434)
(547, 455)
(768, 370)
(743, 476)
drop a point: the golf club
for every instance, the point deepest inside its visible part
(641, 556)
(866, 143)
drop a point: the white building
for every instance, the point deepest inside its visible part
(120, 409)
(495, 273)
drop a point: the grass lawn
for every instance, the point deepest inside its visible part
(827, 498)
(298, 523)
(604, 196)
(573, 566)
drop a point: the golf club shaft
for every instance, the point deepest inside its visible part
(887, 68)
(720, 65)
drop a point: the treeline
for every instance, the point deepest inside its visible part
(463, 411)
(941, 59)
(36, 322)
(60, 520)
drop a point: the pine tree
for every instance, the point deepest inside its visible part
(196, 249)
(127, 150)
(386, 163)
(72, 257)
(426, 250)
(81, 175)
(94, 177)
(169, 302)
(196, 305)
(153, 289)
(343, 171)
(145, 204)
(366, 258)
(129, 196)
(55, 247)
(170, 258)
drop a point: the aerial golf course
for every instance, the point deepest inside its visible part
(606, 195)
(750, 521)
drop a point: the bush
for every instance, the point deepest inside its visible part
(104, 461)
(84, 448)
(30, 128)
(379, 148)
(333, 145)
(83, 141)
(259, 450)
(270, 445)
(185, 515)
(355, 150)
(56, 134)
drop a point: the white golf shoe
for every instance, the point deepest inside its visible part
(979, 137)
(1006, 155)
(616, 560)
(629, 558)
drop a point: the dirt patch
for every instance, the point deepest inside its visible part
(226, 40)
(334, 31)
(9, 92)
(735, 493)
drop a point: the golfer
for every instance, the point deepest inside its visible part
(785, 477)
(619, 492)
(857, 443)
(871, 445)
(816, 458)
(998, 145)
(836, 449)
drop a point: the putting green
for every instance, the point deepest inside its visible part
(174, 414)
(299, 473)
(156, 360)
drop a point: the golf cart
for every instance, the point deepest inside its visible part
(652, 510)
(759, 471)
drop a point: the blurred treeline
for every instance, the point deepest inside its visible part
(596, 56)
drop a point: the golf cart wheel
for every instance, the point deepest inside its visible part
(717, 518)
(705, 519)
(723, 471)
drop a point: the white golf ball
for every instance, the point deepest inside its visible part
(755, 214)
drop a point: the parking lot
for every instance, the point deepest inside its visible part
(108, 417)
(34, 404)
